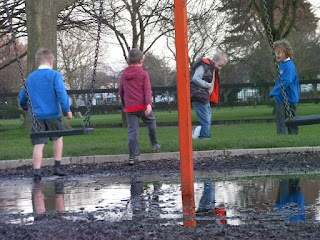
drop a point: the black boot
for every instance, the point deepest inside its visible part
(36, 175)
(59, 171)
(36, 178)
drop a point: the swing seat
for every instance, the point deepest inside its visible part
(302, 120)
(61, 133)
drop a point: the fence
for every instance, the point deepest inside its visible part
(240, 103)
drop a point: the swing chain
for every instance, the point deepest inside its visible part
(270, 37)
(86, 120)
(35, 121)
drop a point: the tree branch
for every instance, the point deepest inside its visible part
(13, 60)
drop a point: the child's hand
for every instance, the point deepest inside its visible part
(211, 85)
(148, 110)
(26, 111)
(69, 115)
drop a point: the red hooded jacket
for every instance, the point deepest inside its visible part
(135, 88)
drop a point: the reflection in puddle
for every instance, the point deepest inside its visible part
(290, 200)
(53, 205)
(208, 207)
(216, 202)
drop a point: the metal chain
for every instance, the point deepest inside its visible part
(86, 120)
(284, 95)
(35, 122)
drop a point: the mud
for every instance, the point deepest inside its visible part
(146, 228)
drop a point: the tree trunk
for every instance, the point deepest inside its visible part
(315, 90)
(226, 95)
(77, 114)
(42, 18)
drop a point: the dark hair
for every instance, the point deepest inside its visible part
(43, 56)
(135, 56)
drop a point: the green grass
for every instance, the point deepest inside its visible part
(15, 142)
(226, 113)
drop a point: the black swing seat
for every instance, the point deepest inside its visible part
(302, 120)
(61, 133)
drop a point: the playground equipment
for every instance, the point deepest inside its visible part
(35, 123)
(291, 121)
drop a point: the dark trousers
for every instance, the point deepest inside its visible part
(133, 129)
(281, 115)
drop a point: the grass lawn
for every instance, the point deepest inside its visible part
(223, 113)
(15, 143)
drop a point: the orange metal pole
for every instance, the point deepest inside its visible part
(184, 108)
(183, 89)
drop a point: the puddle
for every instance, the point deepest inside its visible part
(234, 202)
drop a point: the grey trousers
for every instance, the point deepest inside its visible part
(133, 129)
(281, 116)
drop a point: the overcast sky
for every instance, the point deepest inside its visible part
(316, 6)
(115, 56)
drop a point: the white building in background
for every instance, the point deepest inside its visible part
(308, 87)
(98, 99)
(247, 94)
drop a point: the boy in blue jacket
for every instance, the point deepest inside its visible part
(47, 95)
(290, 82)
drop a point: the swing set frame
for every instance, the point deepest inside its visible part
(38, 133)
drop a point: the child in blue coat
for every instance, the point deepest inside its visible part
(48, 95)
(290, 82)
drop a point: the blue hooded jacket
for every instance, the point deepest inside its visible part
(290, 79)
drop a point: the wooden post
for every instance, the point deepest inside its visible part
(184, 108)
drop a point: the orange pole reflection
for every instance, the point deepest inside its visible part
(189, 211)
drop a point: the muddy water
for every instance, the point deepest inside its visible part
(228, 201)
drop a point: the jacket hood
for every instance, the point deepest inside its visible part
(130, 72)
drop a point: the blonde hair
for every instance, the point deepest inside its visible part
(283, 45)
(221, 56)
(43, 55)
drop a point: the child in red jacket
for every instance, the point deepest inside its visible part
(136, 98)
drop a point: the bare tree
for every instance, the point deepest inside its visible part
(161, 75)
(135, 23)
(205, 29)
(59, 11)
(17, 15)
(109, 77)
(306, 48)
(10, 76)
(42, 25)
(75, 57)
(17, 11)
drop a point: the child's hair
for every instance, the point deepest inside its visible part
(135, 56)
(284, 46)
(221, 56)
(43, 56)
